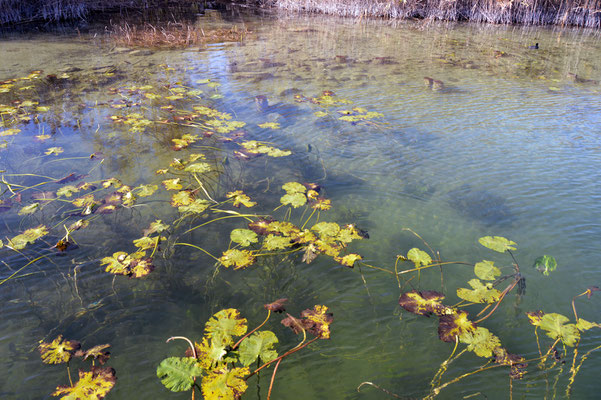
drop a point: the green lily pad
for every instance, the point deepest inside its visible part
(556, 327)
(294, 199)
(497, 243)
(481, 293)
(274, 242)
(178, 373)
(244, 237)
(481, 342)
(486, 270)
(237, 258)
(419, 257)
(30, 209)
(258, 345)
(545, 264)
(226, 324)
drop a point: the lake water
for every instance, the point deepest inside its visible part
(510, 146)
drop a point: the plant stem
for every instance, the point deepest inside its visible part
(294, 350)
(189, 342)
(275, 369)
(198, 248)
(251, 332)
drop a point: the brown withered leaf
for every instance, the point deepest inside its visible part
(590, 290)
(44, 196)
(276, 306)
(423, 303)
(297, 325)
(260, 227)
(62, 245)
(96, 352)
(454, 324)
(535, 317)
(72, 177)
(310, 254)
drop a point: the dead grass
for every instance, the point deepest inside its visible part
(173, 35)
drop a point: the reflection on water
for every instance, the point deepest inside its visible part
(506, 144)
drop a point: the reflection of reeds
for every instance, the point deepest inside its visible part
(173, 35)
(586, 13)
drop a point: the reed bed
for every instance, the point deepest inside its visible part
(583, 13)
(173, 35)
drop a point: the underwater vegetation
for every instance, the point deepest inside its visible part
(197, 176)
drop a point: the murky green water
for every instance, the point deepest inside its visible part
(510, 146)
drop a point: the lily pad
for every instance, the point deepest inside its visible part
(258, 345)
(486, 270)
(294, 199)
(226, 323)
(225, 384)
(481, 293)
(556, 327)
(348, 260)
(94, 384)
(274, 242)
(244, 237)
(454, 324)
(423, 303)
(419, 257)
(481, 342)
(237, 258)
(58, 351)
(240, 199)
(497, 243)
(178, 373)
(545, 264)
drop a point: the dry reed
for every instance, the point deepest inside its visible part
(173, 35)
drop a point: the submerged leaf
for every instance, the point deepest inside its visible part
(481, 293)
(240, 199)
(94, 384)
(178, 373)
(423, 303)
(225, 384)
(273, 242)
(172, 184)
(545, 264)
(197, 206)
(556, 327)
(294, 199)
(30, 209)
(486, 270)
(258, 345)
(497, 243)
(326, 230)
(58, 351)
(276, 306)
(200, 167)
(28, 237)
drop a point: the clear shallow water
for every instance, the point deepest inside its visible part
(510, 147)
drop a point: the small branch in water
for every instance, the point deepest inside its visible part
(187, 340)
(396, 396)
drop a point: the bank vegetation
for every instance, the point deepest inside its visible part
(582, 13)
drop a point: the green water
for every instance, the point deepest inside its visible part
(510, 147)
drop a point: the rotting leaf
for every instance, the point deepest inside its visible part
(97, 353)
(454, 324)
(535, 317)
(318, 321)
(58, 351)
(419, 257)
(326, 230)
(28, 237)
(258, 345)
(172, 184)
(423, 303)
(545, 264)
(224, 383)
(497, 243)
(244, 237)
(348, 260)
(178, 373)
(480, 293)
(197, 206)
(240, 199)
(182, 198)
(146, 190)
(94, 384)
(486, 270)
(200, 167)
(30, 209)
(156, 227)
(276, 306)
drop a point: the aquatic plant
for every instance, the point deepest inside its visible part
(93, 384)
(222, 363)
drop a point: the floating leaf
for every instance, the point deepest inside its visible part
(481, 342)
(67, 191)
(497, 243)
(94, 384)
(423, 303)
(294, 199)
(584, 325)
(535, 317)
(259, 344)
(486, 270)
(240, 198)
(252, 146)
(146, 242)
(58, 351)
(454, 324)
(318, 321)
(85, 201)
(320, 114)
(28, 237)
(273, 242)
(156, 227)
(556, 327)
(197, 206)
(271, 125)
(481, 293)
(545, 264)
(10, 132)
(30, 209)
(244, 237)
(225, 384)
(326, 230)
(97, 353)
(348, 260)
(178, 373)
(54, 151)
(211, 353)
(146, 190)
(419, 257)
(294, 187)
(182, 198)
(226, 323)
(200, 168)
